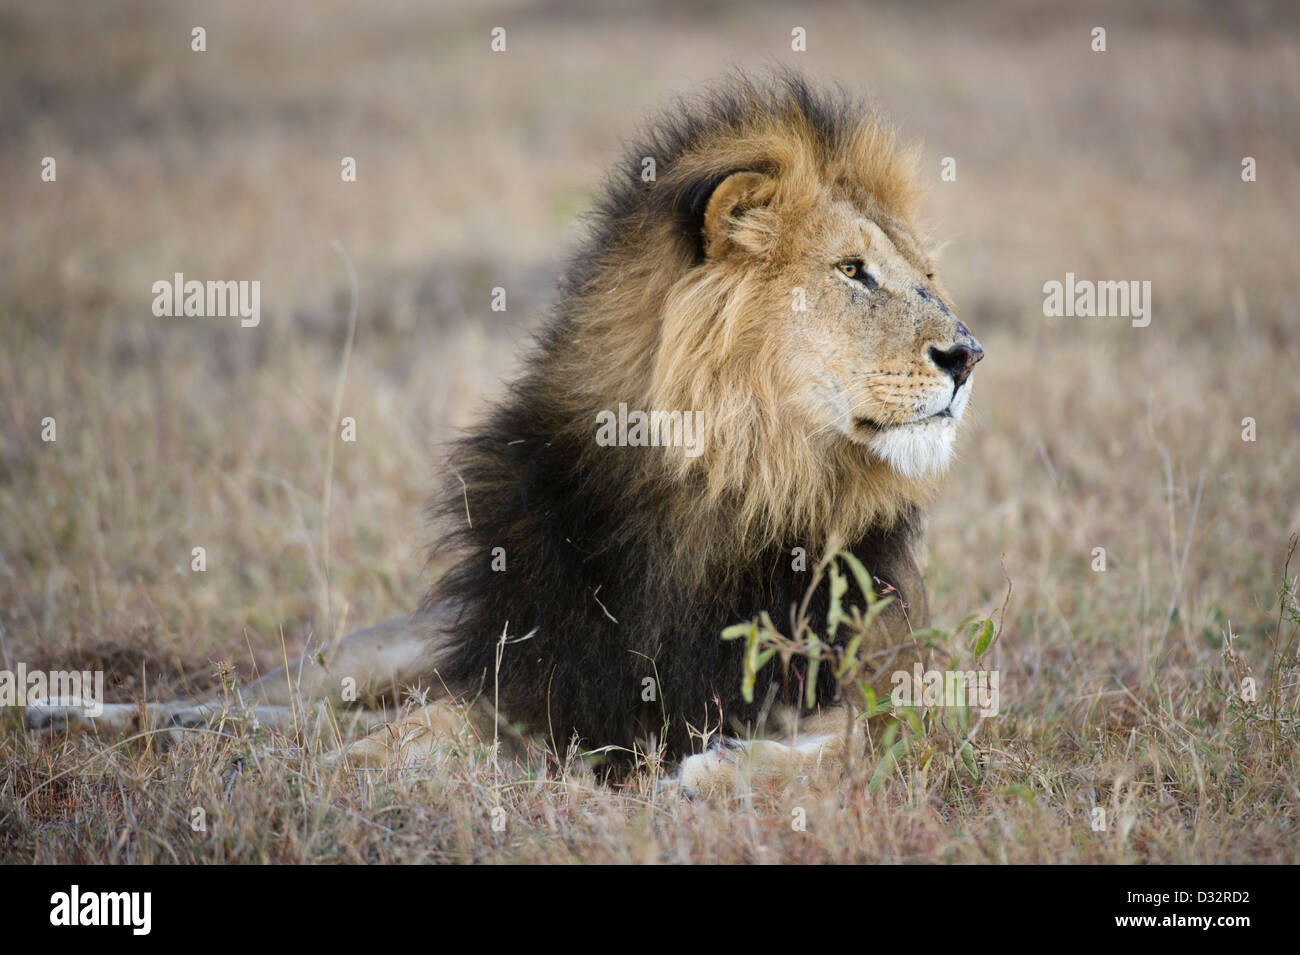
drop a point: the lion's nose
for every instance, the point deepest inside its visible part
(959, 360)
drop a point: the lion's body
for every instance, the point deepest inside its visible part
(626, 563)
(589, 575)
(770, 277)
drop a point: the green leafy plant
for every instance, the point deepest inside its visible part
(910, 734)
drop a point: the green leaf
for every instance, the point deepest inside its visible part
(930, 635)
(876, 608)
(985, 638)
(967, 755)
(839, 587)
(890, 759)
(810, 687)
(751, 666)
(736, 631)
(860, 574)
(850, 657)
(875, 705)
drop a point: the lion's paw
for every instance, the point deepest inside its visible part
(708, 775)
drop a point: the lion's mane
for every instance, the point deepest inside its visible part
(624, 565)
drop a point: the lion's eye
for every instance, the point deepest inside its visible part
(854, 269)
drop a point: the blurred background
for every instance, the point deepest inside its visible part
(474, 169)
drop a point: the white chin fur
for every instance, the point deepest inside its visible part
(923, 449)
(916, 450)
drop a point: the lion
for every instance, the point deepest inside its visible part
(754, 264)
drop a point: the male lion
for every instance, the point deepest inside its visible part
(768, 275)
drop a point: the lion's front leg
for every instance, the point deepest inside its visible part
(816, 753)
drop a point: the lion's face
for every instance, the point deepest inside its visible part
(882, 360)
(774, 281)
(825, 310)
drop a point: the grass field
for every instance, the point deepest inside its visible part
(473, 169)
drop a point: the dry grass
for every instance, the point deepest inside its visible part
(173, 434)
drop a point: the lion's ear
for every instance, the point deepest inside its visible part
(735, 195)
